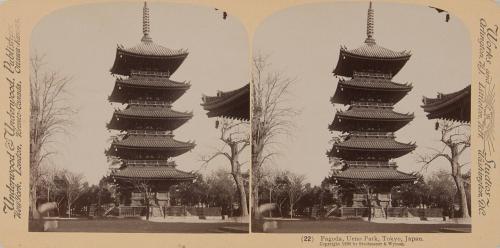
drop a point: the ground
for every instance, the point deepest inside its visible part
(129, 225)
(360, 226)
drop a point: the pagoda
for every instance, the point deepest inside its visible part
(367, 142)
(146, 145)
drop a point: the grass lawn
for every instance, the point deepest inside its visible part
(130, 225)
(359, 226)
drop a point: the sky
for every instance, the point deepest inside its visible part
(81, 41)
(303, 43)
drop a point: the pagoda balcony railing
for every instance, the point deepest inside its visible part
(151, 132)
(371, 163)
(149, 163)
(373, 134)
(372, 75)
(372, 104)
(150, 103)
(149, 73)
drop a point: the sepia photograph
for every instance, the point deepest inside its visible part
(361, 120)
(139, 120)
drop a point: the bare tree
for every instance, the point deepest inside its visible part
(271, 118)
(235, 135)
(50, 115)
(455, 139)
(295, 190)
(74, 188)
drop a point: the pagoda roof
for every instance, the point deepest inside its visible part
(148, 80)
(152, 141)
(365, 118)
(372, 50)
(148, 111)
(369, 85)
(370, 57)
(374, 143)
(370, 81)
(453, 106)
(134, 88)
(373, 113)
(159, 117)
(149, 48)
(231, 104)
(152, 173)
(373, 174)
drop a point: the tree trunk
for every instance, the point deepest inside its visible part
(243, 196)
(238, 178)
(69, 208)
(463, 196)
(457, 177)
(34, 211)
(147, 206)
(257, 149)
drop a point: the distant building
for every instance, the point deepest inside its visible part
(368, 125)
(453, 106)
(148, 120)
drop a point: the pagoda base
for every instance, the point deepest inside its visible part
(382, 200)
(160, 198)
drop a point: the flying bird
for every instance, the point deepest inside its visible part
(442, 10)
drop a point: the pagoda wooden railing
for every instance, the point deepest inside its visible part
(150, 103)
(373, 134)
(372, 75)
(372, 104)
(149, 73)
(371, 163)
(151, 132)
(149, 163)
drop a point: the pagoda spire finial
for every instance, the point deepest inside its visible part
(145, 23)
(370, 26)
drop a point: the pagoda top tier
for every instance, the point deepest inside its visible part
(370, 57)
(147, 55)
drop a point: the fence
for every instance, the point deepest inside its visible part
(394, 212)
(164, 211)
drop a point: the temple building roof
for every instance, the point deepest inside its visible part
(453, 106)
(231, 104)
(372, 174)
(152, 173)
